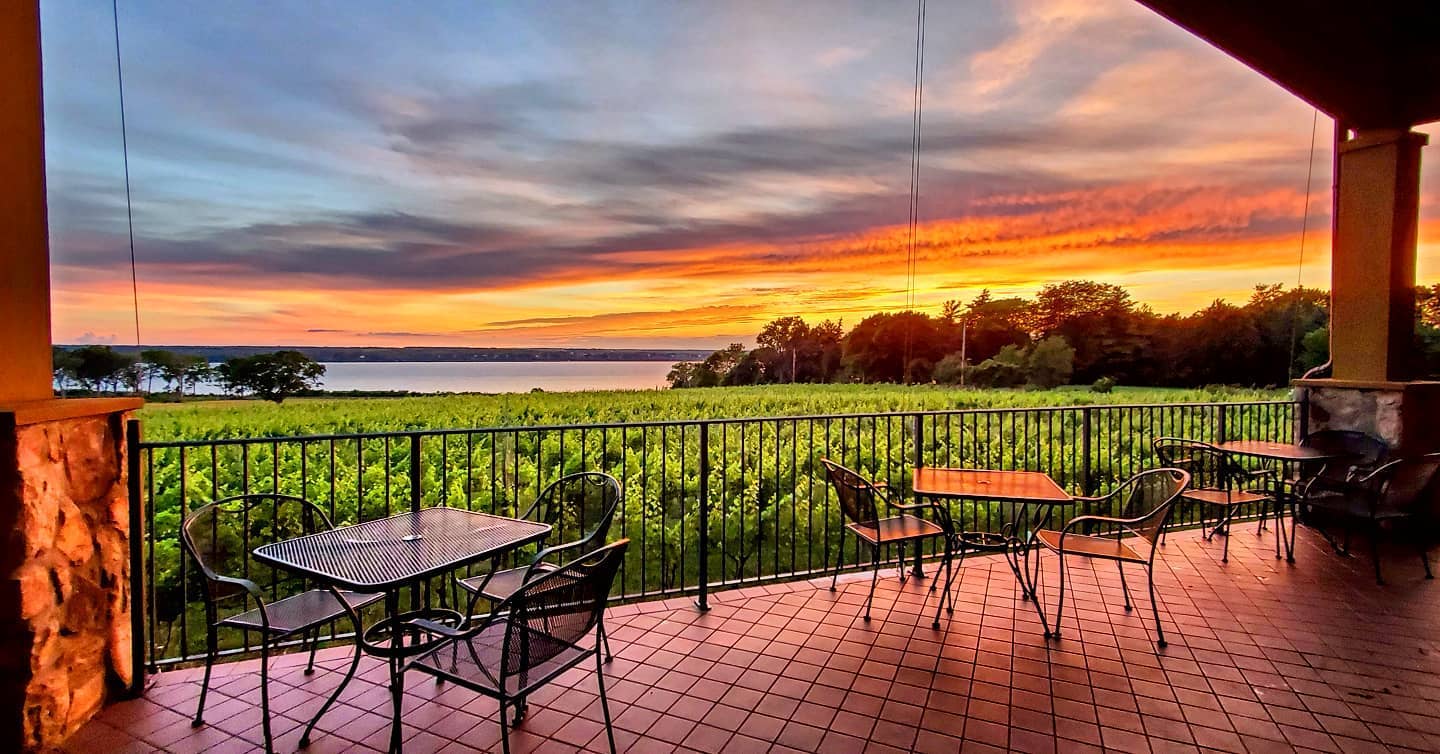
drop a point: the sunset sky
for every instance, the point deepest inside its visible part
(652, 173)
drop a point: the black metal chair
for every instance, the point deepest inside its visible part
(532, 637)
(1216, 481)
(582, 504)
(1401, 490)
(1359, 453)
(860, 501)
(220, 537)
(1142, 506)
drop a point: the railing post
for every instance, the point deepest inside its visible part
(1222, 430)
(1086, 483)
(917, 430)
(415, 490)
(702, 600)
(138, 604)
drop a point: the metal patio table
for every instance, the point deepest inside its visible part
(389, 554)
(1021, 488)
(1271, 453)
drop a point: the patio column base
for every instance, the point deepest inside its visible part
(1403, 414)
(65, 599)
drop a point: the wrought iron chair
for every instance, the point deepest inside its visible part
(1400, 490)
(1142, 505)
(220, 536)
(1216, 481)
(583, 504)
(532, 637)
(860, 501)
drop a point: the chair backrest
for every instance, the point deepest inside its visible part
(221, 535)
(860, 499)
(551, 613)
(1360, 449)
(580, 506)
(1209, 466)
(1407, 484)
(1147, 499)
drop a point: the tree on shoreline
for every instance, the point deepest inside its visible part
(1275, 336)
(272, 376)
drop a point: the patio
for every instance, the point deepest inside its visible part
(1263, 656)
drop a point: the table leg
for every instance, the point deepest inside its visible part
(397, 669)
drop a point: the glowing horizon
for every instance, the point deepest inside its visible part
(543, 176)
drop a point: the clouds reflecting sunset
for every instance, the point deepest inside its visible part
(642, 174)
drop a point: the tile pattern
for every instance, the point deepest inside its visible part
(1264, 656)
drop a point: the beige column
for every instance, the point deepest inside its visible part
(1372, 280)
(24, 244)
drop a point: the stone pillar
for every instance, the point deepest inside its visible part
(1406, 415)
(65, 601)
(1372, 273)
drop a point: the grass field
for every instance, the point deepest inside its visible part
(304, 416)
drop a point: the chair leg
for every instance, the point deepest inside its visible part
(605, 642)
(604, 704)
(1155, 604)
(504, 730)
(900, 561)
(939, 606)
(874, 576)
(839, 559)
(1375, 550)
(314, 640)
(1060, 605)
(210, 650)
(265, 694)
(354, 666)
(1124, 588)
(1424, 555)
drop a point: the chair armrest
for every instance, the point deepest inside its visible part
(440, 629)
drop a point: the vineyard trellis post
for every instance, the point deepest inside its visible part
(137, 560)
(702, 600)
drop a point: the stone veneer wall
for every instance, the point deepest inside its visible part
(1405, 415)
(65, 602)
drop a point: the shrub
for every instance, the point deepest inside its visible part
(1103, 385)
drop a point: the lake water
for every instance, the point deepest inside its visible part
(496, 377)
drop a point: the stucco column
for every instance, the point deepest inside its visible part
(1372, 278)
(25, 371)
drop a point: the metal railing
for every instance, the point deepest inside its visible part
(707, 503)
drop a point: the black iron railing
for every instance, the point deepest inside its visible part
(707, 504)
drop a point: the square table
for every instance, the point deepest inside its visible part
(1024, 488)
(1282, 452)
(389, 553)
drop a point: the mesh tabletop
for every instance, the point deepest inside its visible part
(390, 552)
(1279, 451)
(984, 484)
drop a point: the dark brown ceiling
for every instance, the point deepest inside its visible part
(1369, 63)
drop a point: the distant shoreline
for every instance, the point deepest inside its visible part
(360, 354)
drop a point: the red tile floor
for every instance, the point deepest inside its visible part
(1263, 656)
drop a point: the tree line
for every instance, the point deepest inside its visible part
(102, 369)
(1072, 332)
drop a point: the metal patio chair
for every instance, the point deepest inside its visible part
(861, 501)
(1401, 490)
(1362, 454)
(530, 638)
(1142, 505)
(1216, 481)
(220, 537)
(583, 503)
